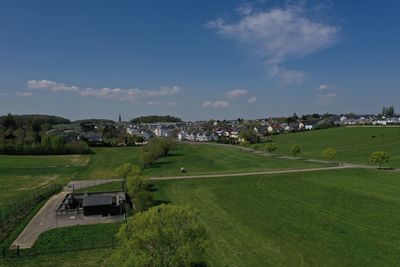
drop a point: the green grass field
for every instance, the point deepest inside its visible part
(20, 175)
(332, 218)
(196, 159)
(87, 258)
(207, 159)
(335, 218)
(113, 186)
(353, 144)
(80, 236)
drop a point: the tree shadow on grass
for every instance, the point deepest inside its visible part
(158, 202)
(198, 264)
(151, 188)
(173, 155)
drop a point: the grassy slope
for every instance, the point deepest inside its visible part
(81, 235)
(341, 218)
(204, 159)
(113, 186)
(196, 159)
(353, 144)
(87, 258)
(21, 174)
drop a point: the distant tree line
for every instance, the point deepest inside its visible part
(26, 135)
(388, 111)
(155, 118)
(94, 121)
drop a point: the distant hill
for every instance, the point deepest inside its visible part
(155, 118)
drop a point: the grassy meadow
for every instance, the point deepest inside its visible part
(195, 158)
(353, 144)
(327, 218)
(331, 218)
(20, 175)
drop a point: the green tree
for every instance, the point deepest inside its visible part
(125, 169)
(329, 153)
(271, 147)
(166, 235)
(379, 158)
(295, 150)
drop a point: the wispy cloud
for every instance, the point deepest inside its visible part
(237, 93)
(324, 87)
(130, 94)
(252, 100)
(278, 35)
(216, 104)
(23, 94)
(50, 85)
(325, 94)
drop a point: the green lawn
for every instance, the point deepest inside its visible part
(87, 258)
(207, 159)
(353, 144)
(335, 218)
(20, 175)
(105, 160)
(196, 159)
(113, 186)
(85, 236)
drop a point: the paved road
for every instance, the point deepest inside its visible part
(46, 218)
(345, 166)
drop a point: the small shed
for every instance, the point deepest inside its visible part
(99, 205)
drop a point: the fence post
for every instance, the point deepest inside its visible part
(18, 251)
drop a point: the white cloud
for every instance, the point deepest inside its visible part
(323, 87)
(207, 103)
(220, 104)
(154, 103)
(23, 94)
(237, 93)
(50, 85)
(278, 35)
(130, 94)
(252, 100)
(216, 104)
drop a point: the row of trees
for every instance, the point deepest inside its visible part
(155, 118)
(165, 235)
(49, 145)
(378, 157)
(154, 149)
(26, 135)
(388, 111)
(137, 186)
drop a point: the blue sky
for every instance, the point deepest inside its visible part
(198, 59)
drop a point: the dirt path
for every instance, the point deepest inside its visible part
(46, 218)
(345, 166)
